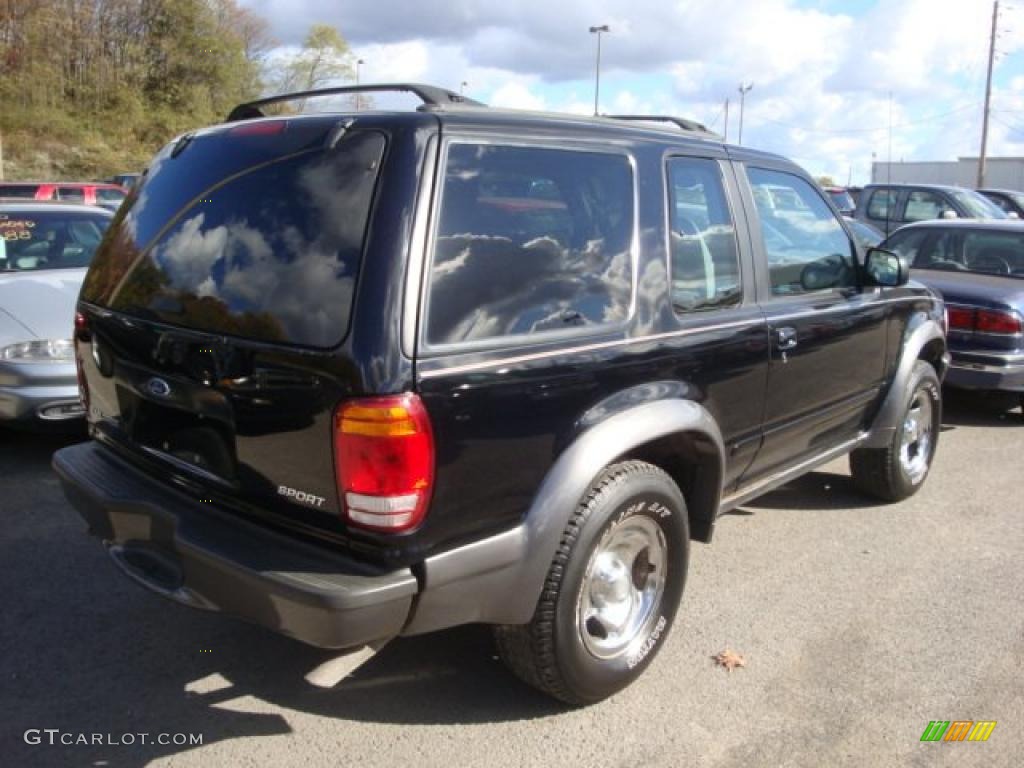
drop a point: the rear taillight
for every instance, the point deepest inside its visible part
(996, 321)
(1002, 322)
(961, 319)
(384, 461)
(82, 336)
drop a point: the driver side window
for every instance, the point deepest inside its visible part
(808, 250)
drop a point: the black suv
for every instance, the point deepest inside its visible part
(352, 376)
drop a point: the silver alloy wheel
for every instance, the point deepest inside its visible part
(916, 441)
(622, 587)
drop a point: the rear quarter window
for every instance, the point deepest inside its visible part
(530, 240)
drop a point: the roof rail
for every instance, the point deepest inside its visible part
(691, 126)
(430, 95)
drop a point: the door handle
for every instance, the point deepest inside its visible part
(785, 338)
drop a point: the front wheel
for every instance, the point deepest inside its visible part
(612, 591)
(898, 470)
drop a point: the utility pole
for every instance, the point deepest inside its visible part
(744, 90)
(988, 95)
(726, 137)
(359, 63)
(597, 69)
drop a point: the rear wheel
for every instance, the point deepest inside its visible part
(612, 590)
(898, 470)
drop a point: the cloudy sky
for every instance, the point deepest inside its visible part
(823, 70)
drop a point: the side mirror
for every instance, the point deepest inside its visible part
(886, 268)
(949, 213)
(1012, 215)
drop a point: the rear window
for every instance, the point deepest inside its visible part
(49, 239)
(238, 235)
(530, 240)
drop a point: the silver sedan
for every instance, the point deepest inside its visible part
(44, 252)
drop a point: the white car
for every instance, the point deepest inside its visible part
(44, 252)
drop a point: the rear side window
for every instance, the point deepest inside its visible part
(705, 262)
(924, 206)
(106, 195)
(71, 194)
(18, 190)
(882, 204)
(270, 251)
(926, 248)
(530, 240)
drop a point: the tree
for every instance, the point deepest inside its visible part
(324, 57)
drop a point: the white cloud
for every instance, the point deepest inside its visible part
(823, 71)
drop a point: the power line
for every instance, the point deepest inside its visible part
(1005, 124)
(840, 131)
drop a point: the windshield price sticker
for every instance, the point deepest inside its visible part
(6, 223)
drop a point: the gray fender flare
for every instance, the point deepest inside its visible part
(499, 580)
(921, 331)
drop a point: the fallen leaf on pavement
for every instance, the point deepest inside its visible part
(729, 659)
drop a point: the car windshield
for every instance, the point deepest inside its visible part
(977, 205)
(37, 240)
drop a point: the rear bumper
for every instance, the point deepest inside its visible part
(987, 370)
(39, 392)
(192, 553)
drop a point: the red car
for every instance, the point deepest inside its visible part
(88, 192)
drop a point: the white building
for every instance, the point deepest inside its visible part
(1000, 172)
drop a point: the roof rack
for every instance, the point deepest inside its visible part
(691, 126)
(430, 95)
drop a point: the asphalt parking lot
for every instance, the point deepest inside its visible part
(859, 624)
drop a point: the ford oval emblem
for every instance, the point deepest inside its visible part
(158, 387)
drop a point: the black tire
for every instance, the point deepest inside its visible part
(551, 653)
(883, 472)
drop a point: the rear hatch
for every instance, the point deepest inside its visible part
(213, 315)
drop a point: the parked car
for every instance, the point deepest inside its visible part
(865, 234)
(359, 375)
(87, 192)
(1009, 200)
(890, 206)
(842, 200)
(44, 251)
(978, 266)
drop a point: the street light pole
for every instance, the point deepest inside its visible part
(462, 88)
(744, 90)
(597, 68)
(359, 63)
